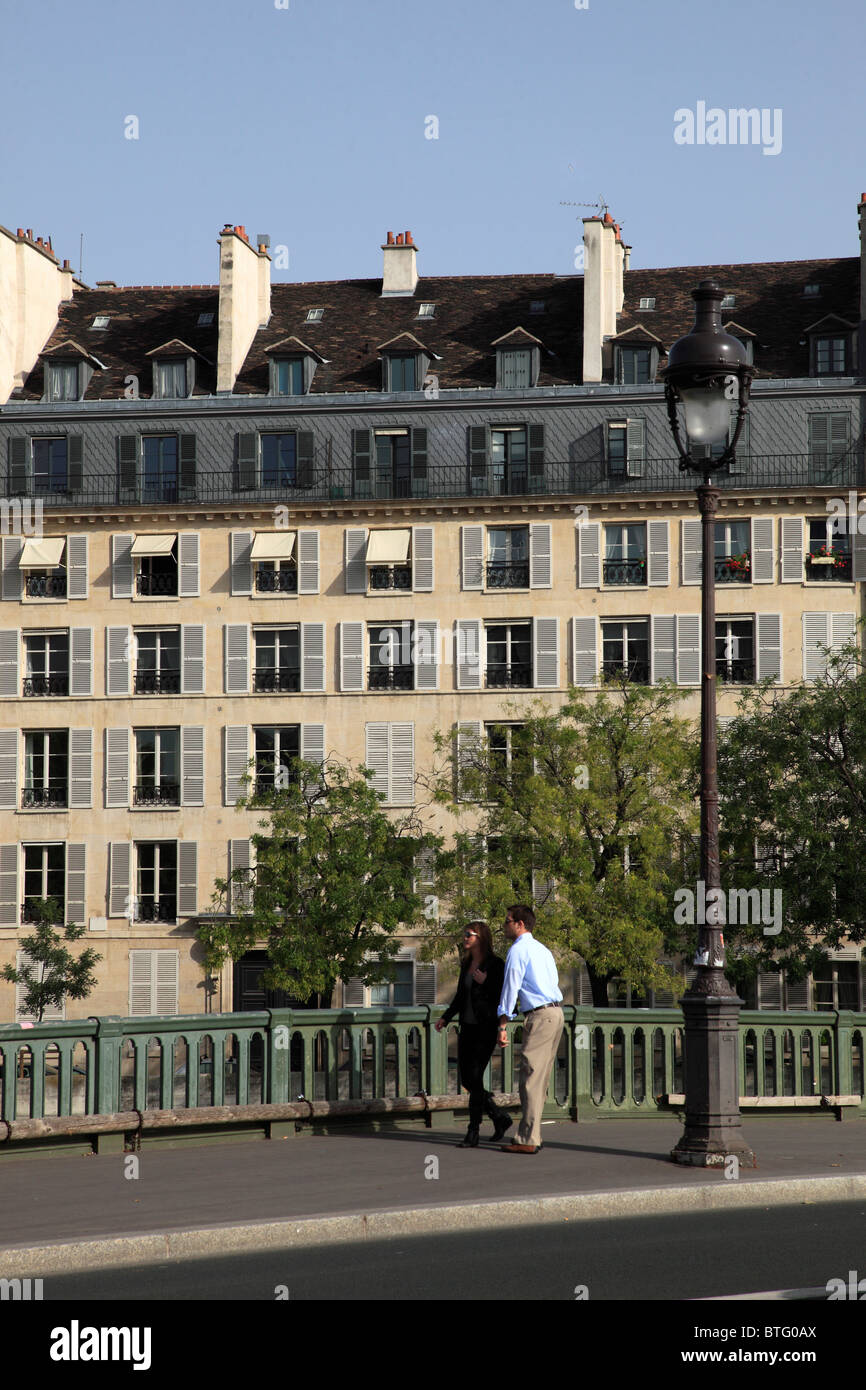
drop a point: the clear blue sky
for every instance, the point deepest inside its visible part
(308, 123)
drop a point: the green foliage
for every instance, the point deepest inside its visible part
(52, 973)
(332, 885)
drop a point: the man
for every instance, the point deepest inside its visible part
(532, 981)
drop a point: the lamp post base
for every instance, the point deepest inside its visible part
(713, 1132)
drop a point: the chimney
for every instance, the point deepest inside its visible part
(400, 270)
(602, 291)
(244, 302)
(32, 288)
(862, 219)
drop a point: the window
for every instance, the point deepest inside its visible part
(647, 302)
(735, 651)
(829, 432)
(515, 368)
(509, 655)
(729, 301)
(279, 460)
(289, 377)
(625, 553)
(157, 664)
(401, 373)
(46, 663)
(426, 310)
(811, 290)
(399, 991)
(44, 877)
(204, 320)
(314, 315)
(507, 557)
(626, 448)
(101, 321)
(156, 881)
(157, 767)
(43, 563)
(829, 555)
(277, 576)
(831, 355)
(393, 463)
(733, 552)
(506, 756)
(508, 460)
(63, 381)
(633, 366)
(389, 559)
(46, 769)
(277, 750)
(171, 380)
(50, 468)
(155, 560)
(390, 663)
(537, 306)
(626, 650)
(159, 464)
(277, 659)
(390, 756)
(836, 985)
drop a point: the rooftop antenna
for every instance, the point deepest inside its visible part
(80, 255)
(601, 206)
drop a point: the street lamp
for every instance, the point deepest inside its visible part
(707, 373)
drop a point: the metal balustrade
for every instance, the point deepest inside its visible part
(156, 585)
(391, 678)
(504, 575)
(153, 794)
(277, 581)
(33, 798)
(734, 569)
(515, 674)
(735, 672)
(624, 571)
(45, 586)
(53, 684)
(390, 577)
(165, 682)
(272, 680)
(829, 568)
(636, 671)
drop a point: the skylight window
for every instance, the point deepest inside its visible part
(101, 321)
(426, 311)
(811, 289)
(205, 320)
(648, 302)
(314, 315)
(729, 301)
(537, 306)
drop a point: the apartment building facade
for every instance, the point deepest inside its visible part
(246, 522)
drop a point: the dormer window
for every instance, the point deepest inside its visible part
(173, 370)
(401, 372)
(647, 302)
(101, 321)
(289, 377)
(170, 382)
(831, 355)
(63, 381)
(811, 290)
(634, 365)
(314, 315)
(515, 369)
(292, 367)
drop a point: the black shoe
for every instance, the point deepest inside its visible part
(471, 1140)
(501, 1125)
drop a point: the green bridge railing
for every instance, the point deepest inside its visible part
(611, 1062)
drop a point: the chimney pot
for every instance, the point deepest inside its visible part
(20, 231)
(863, 198)
(407, 237)
(66, 265)
(29, 233)
(390, 238)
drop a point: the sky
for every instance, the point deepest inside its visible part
(472, 123)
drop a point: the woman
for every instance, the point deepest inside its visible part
(476, 1002)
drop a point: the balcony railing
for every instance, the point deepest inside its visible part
(156, 794)
(45, 586)
(156, 585)
(29, 913)
(734, 569)
(625, 571)
(391, 678)
(164, 682)
(270, 680)
(636, 671)
(829, 568)
(390, 576)
(53, 684)
(504, 676)
(508, 575)
(49, 797)
(277, 581)
(161, 909)
(736, 672)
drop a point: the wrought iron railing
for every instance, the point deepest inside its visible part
(390, 576)
(391, 678)
(51, 796)
(156, 585)
(164, 682)
(45, 586)
(504, 676)
(277, 581)
(276, 680)
(636, 671)
(739, 672)
(52, 684)
(508, 574)
(29, 912)
(827, 568)
(733, 569)
(624, 571)
(161, 909)
(156, 794)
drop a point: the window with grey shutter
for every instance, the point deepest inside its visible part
(659, 565)
(313, 656)
(472, 549)
(422, 559)
(402, 752)
(589, 554)
(80, 769)
(769, 645)
(76, 883)
(361, 461)
(237, 758)
(763, 557)
(11, 549)
(187, 878)
(468, 744)
(313, 743)
(192, 765)
(692, 552)
(792, 549)
(9, 856)
(478, 446)
(122, 575)
(376, 757)
(240, 861)
(426, 654)
(635, 447)
(76, 567)
(236, 639)
(119, 870)
(8, 769)
(118, 648)
(308, 562)
(689, 649)
(192, 658)
(419, 462)
(188, 564)
(540, 555)
(585, 651)
(306, 461)
(9, 643)
(128, 448)
(19, 465)
(536, 458)
(829, 433)
(75, 462)
(186, 468)
(116, 767)
(241, 563)
(545, 653)
(355, 567)
(353, 993)
(425, 983)
(468, 654)
(351, 656)
(81, 661)
(247, 465)
(663, 648)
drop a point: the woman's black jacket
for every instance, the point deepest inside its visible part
(485, 997)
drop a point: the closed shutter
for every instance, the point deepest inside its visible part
(692, 547)
(425, 983)
(192, 766)
(543, 889)
(540, 556)
(376, 757)
(186, 466)
(843, 627)
(769, 644)
(636, 447)
(422, 559)
(247, 461)
(80, 769)
(120, 867)
(313, 656)
(241, 890)
(9, 642)
(689, 649)
(469, 736)
(763, 557)
(192, 659)
(477, 443)
(353, 993)
(19, 458)
(659, 566)
(361, 453)
(426, 655)
(308, 562)
(585, 651)
(469, 654)
(589, 555)
(76, 567)
(545, 653)
(306, 462)
(187, 877)
(816, 634)
(472, 548)
(81, 661)
(770, 990)
(118, 642)
(116, 767)
(127, 468)
(663, 648)
(797, 994)
(75, 462)
(76, 881)
(12, 547)
(9, 856)
(141, 991)
(828, 437)
(355, 566)
(237, 758)
(121, 566)
(536, 458)
(351, 656)
(792, 549)
(241, 565)
(166, 982)
(419, 462)
(188, 564)
(8, 769)
(236, 640)
(402, 741)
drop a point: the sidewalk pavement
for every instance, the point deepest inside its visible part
(64, 1213)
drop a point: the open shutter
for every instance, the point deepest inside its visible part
(120, 868)
(76, 567)
(536, 458)
(585, 650)
(692, 557)
(8, 769)
(663, 648)
(361, 455)
(116, 767)
(240, 892)
(843, 626)
(9, 641)
(543, 889)
(402, 739)
(76, 883)
(376, 757)
(187, 878)
(192, 766)
(306, 461)
(545, 653)
(478, 446)
(816, 634)
(248, 458)
(118, 643)
(688, 649)
(313, 743)
(769, 645)
(241, 564)
(127, 467)
(186, 467)
(19, 457)
(9, 856)
(313, 656)
(469, 676)
(351, 656)
(75, 462)
(308, 562)
(419, 462)
(355, 553)
(188, 564)
(472, 547)
(859, 549)
(422, 559)
(636, 447)
(589, 555)
(740, 463)
(12, 547)
(80, 769)
(81, 661)
(763, 557)
(426, 655)
(192, 659)
(237, 758)
(540, 555)
(792, 549)
(121, 566)
(236, 639)
(659, 564)
(470, 732)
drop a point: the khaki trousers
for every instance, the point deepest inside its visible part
(541, 1034)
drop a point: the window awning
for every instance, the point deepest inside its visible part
(153, 545)
(388, 547)
(273, 545)
(44, 554)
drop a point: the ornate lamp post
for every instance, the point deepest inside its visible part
(707, 372)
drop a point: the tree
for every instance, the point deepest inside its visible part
(577, 809)
(51, 973)
(792, 785)
(332, 882)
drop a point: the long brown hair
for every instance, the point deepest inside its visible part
(485, 938)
